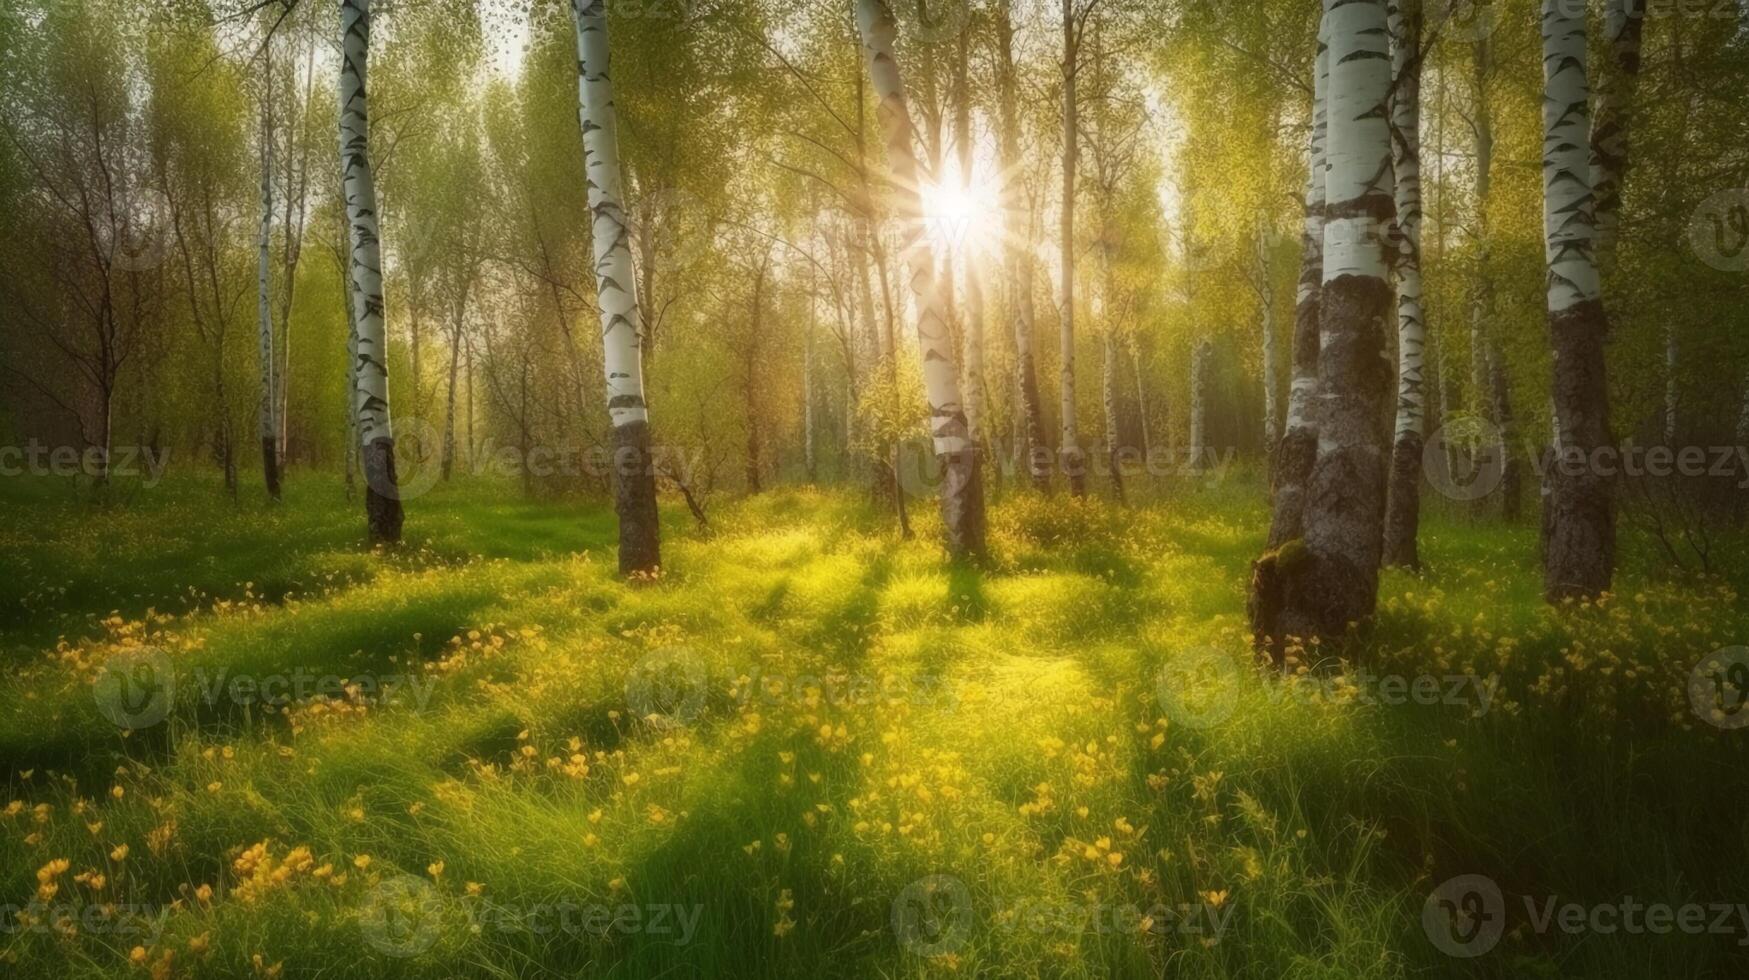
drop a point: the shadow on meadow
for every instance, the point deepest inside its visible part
(844, 755)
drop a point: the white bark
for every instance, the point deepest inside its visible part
(1071, 443)
(1353, 243)
(616, 281)
(371, 401)
(1623, 30)
(1266, 298)
(1199, 367)
(947, 419)
(1405, 27)
(1305, 371)
(1568, 224)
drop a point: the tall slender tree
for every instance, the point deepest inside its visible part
(1299, 441)
(616, 292)
(1327, 581)
(962, 491)
(1018, 219)
(1579, 530)
(382, 495)
(263, 293)
(1403, 507)
(1073, 460)
(1624, 26)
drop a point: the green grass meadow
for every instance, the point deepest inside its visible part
(813, 749)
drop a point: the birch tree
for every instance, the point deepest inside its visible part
(1624, 27)
(382, 497)
(1326, 581)
(1018, 257)
(972, 340)
(1299, 441)
(1073, 461)
(962, 492)
(1266, 305)
(1403, 507)
(616, 293)
(264, 300)
(1579, 530)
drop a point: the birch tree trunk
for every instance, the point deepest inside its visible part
(809, 460)
(1266, 300)
(1074, 462)
(382, 497)
(1299, 443)
(1322, 584)
(459, 317)
(1113, 432)
(1135, 345)
(1624, 26)
(616, 285)
(1017, 217)
(972, 342)
(1403, 507)
(1490, 395)
(1199, 393)
(1108, 350)
(264, 299)
(962, 492)
(1579, 552)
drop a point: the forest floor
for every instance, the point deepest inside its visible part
(236, 743)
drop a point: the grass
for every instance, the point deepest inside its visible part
(812, 749)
